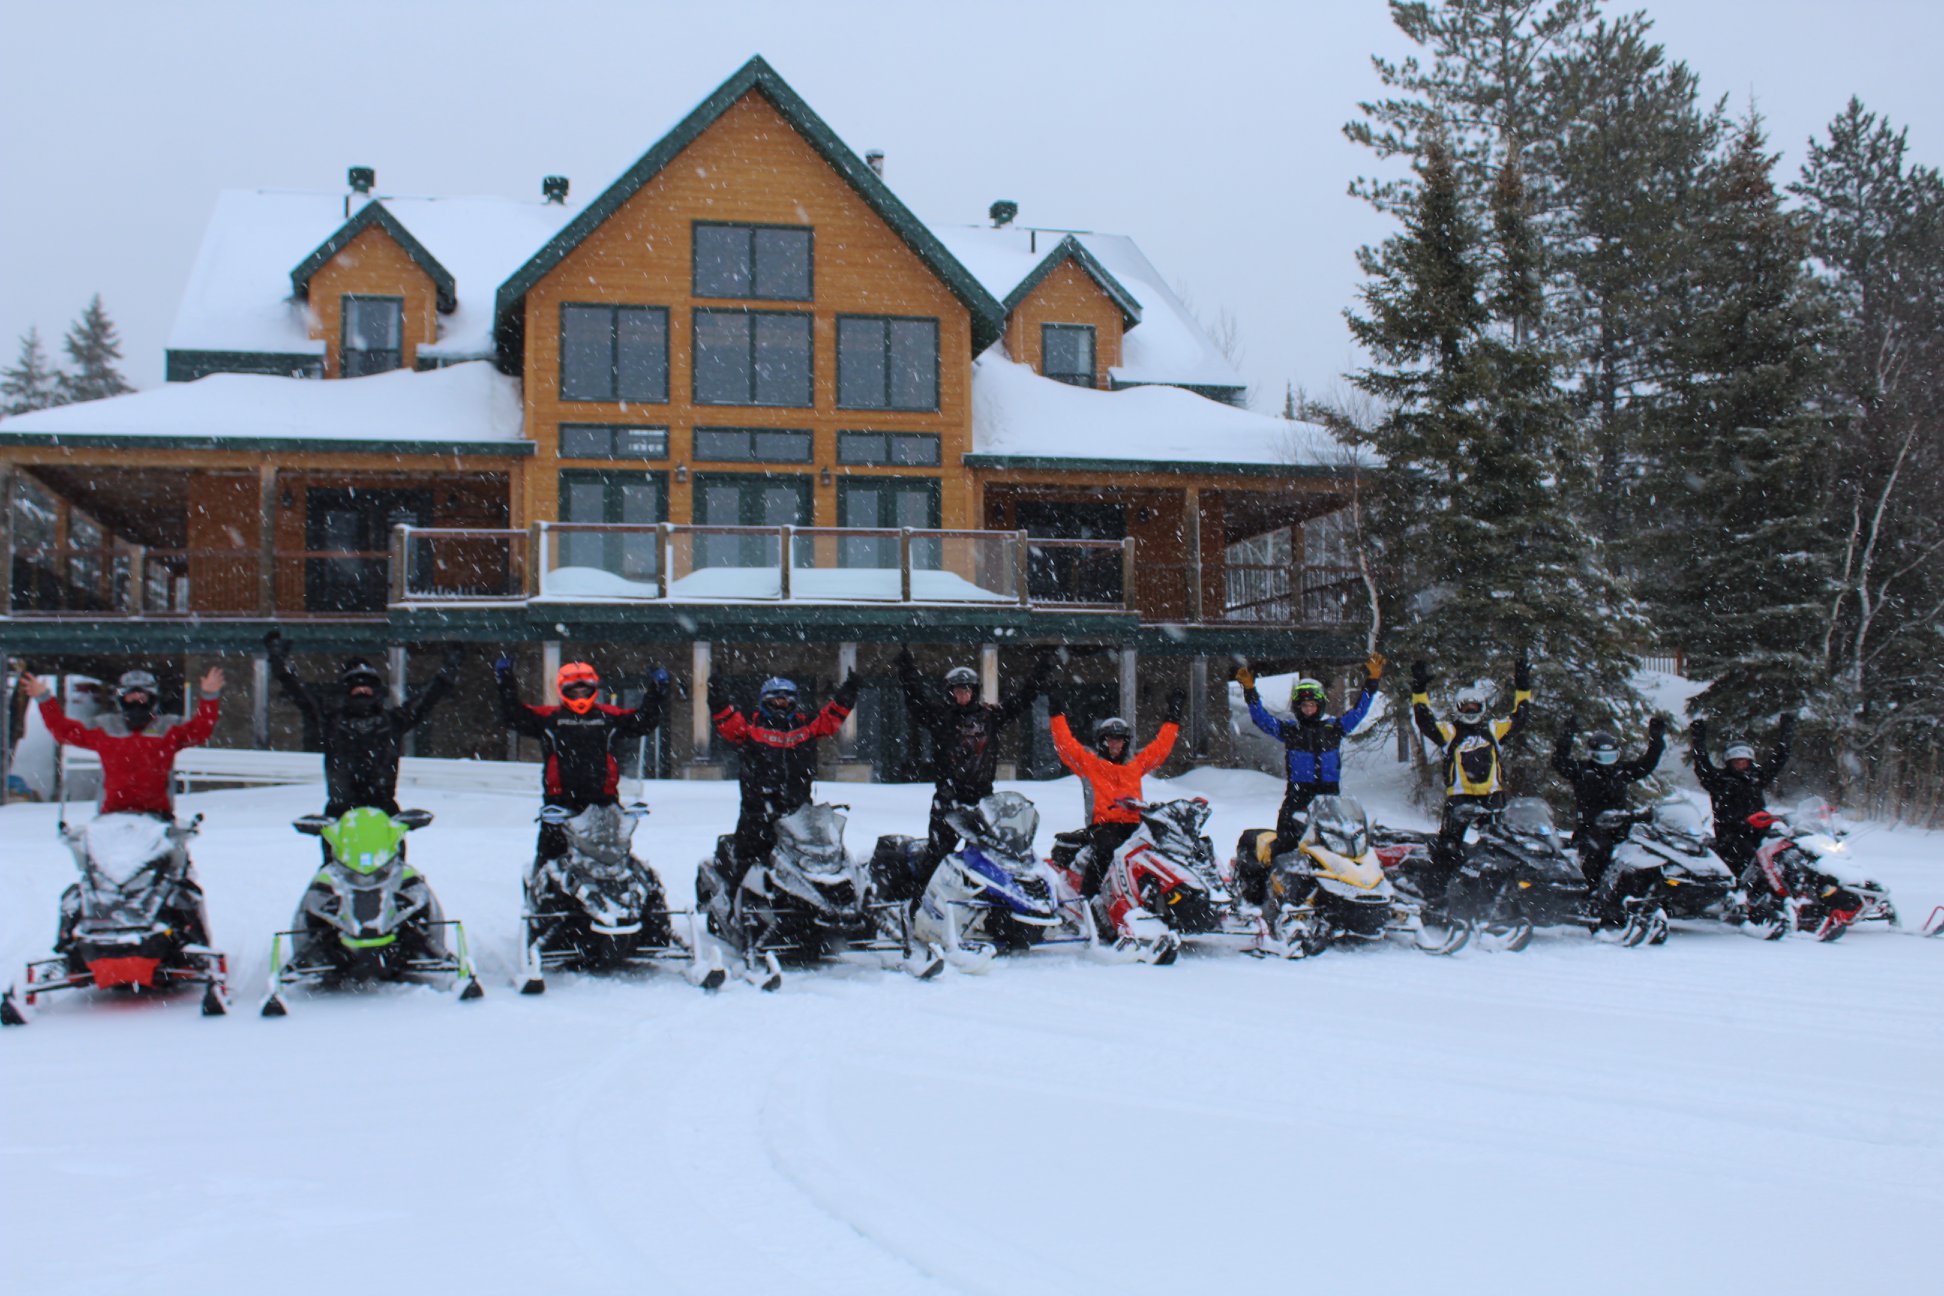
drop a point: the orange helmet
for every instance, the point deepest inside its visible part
(578, 682)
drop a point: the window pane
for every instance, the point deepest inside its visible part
(783, 264)
(721, 443)
(914, 508)
(583, 499)
(587, 353)
(860, 363)
(586, 441)
(721, 358)
(641, 443)
(782, 506)
(914, 364)
(915, 450)
(782, 359)
(862, 504)
(860, 447)
(1068, 350)
(722, 261)
(373, 324)
(641, 502)
(643, 355)
(782, 447)
(722, 504)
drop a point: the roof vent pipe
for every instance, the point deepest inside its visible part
(1002, 212)
(361, 179)
(553, 188)
(874, 158)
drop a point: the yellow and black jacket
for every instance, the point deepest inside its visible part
(1471, 751)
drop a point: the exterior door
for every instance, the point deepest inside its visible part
(637, 498)
(750, 500)
(349, 532)
(888, 503)
(1062, 574)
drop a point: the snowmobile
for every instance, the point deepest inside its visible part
(1515, 877)
(810, 900)
(367, 915)
(1798, 883)
(992, 895)
(135, 921)
(1162, 885)
(1330, 888)
(599, 907)
(1662, 859)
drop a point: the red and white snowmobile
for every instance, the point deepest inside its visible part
(1801, 880)
(1163, 885)
(134, 921)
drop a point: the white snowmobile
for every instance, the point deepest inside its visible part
(599, 907)
(810, 900)
(1163, 884)
(1331, 889)
(134, 921)
(1802, 879)
(367, 915)
(1663, 859)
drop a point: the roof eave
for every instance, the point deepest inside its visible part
(372, 214)
(1071, 248)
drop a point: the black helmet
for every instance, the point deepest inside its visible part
(961, 677)
(1111, 727)
(356, 672)
(1603, 747)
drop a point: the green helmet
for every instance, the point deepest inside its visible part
(1308, 690)
(366, 839)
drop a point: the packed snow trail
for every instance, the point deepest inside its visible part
(1713, 1115)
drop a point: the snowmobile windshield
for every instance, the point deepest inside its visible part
(601, 833)
(121, 845)
(1182, 818)
(1339, 824)
(1679, 820)
(1012, 820)
(813, 832)
(1528, 817)
(365, 840)
(1814, 814)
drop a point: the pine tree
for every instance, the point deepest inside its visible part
(93, 348)
(30, 384)
(1738, 555)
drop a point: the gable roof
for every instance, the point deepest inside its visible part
(988, 317)
(373, 214)
(1073, 249)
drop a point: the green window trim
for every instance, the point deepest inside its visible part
(346, 303)
(760, 445)
(869, 448)
(1072, 377)
(624, 441)
(886, 402)
(702, 314)
(657, 391)
(753, 228)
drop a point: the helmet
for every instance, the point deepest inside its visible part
(578, 682)
(1739, 749)
(356, 672)
(776, 686)
(1604, 748)
(1308, 690)
(1470, 701)
(136, 684)
(1111, 727)
(137, 681)
(961, 677)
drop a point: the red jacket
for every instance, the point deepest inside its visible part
(1109, 781)
(135, 765)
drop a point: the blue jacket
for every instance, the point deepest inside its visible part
(1310, 747)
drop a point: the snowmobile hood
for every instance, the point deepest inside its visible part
(1338, 825)
(365, 840)
(120, 845)
(1359, 872)
(1006, 820)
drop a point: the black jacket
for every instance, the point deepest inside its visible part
(1737, 794)
(965, 739)
(1598, 788)
(776, 760)
(582, 768)
(362, 744)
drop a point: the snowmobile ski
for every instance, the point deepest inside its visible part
(10, 1013)
(924, 963)
(1934, 925)
(766, 976)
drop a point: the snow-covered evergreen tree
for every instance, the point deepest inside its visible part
(29, 384)
(94, 349)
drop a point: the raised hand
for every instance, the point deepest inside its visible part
(1420, 677)
(212, 681)
(34, 686)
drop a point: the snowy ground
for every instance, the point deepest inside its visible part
(1715, 1115)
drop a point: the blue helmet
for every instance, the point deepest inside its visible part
(777, 686)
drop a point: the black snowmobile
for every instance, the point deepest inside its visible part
(135, 920)
(1515, 877)
(600, 908)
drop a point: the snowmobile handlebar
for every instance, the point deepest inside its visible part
(557, 815)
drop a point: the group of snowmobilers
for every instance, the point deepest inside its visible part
(360, 728)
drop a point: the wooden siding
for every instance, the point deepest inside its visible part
(749, 166)
(372, 263)
(223, 518)
(1068, 295)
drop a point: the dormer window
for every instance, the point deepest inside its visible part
(760, 262)
(1067, 353)
(374, 335)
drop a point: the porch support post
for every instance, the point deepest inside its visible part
(1128, 692)
(397, 662)
(6, 696)
(267, 539)
(260, 700)
(549, 668)
(847, 736)
(1200, 706)
(7, 474)
(700, 731)
(1191, 536)
(989, 673)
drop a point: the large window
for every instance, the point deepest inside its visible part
(614, 353)
(638, 498)
(1067, 353)
(767, 262)
(889, 449)
(887, 503)
(752, 358)
(752, 445)
(750, 500)
(887, 363)
(605, 441)
(374, 335)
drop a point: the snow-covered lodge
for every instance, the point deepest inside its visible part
(743, 413)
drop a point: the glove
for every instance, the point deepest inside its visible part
(1374, 666)
(1420, 677)
(1246, 678)
(1176, 701)
(1657, 728)
(273, 643)
(846, 695)
(1572, 724)
(1522, 674)
(1788, 723)
(718, 696)
(451, 659)
(906, 662)
(1699, 729)
(660, 677)
(503, 669)
(1055, 701)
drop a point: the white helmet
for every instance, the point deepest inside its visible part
(1470, 701)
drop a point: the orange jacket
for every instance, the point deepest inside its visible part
(1109, 781)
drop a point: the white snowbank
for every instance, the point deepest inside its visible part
(744, 584)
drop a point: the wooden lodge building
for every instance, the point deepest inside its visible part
(741, 414)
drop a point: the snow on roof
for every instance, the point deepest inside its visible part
(464, 403)
(239, 296)
(1019, 414)
(1167, 346)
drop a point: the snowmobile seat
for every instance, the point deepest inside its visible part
(892, 868)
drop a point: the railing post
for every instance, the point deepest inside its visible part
(784, 558)
(904, 564)
(260, 700)
(664, 555)
(1023, 567)
(7, 474)
(701, 727)
(1191, 534)
(847, 736)
(401, 542)
(1127, 573)
(137, 579)
(267, 540)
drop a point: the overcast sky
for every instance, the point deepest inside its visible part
(1210, 132)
